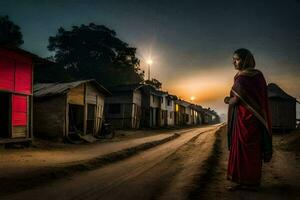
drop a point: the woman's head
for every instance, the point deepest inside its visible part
(243, 59)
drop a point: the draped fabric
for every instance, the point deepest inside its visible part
(249, 128)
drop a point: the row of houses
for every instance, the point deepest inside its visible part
(57, 110)
(143, 106)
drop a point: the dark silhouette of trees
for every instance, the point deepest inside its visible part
(94, 52)
(154, 82)
(10, 33)
(51, 72)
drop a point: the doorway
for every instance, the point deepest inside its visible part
(4, 114)
(76, 116)
(91, 115)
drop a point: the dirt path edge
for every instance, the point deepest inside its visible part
(48, 174)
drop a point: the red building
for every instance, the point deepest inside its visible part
(16, 74)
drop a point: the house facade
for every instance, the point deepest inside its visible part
(170, 107)
(62, 109)
(16, 103)
(282, 108)
(123, 107)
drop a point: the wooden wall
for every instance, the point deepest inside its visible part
(49, 117)
(283, 113)
(76, 95)
(85, 94)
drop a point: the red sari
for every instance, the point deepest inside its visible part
(249, 128)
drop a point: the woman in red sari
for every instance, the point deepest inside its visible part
(249, 123)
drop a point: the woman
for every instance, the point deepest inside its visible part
(249, 125)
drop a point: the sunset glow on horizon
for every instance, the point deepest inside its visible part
(190, 44)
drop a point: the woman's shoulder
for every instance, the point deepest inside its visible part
(248, 76)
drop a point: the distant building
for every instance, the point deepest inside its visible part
(124, 108)
(196, 114)
(181, 114)
(61, 109)
(153, 107)
(282, 108)
(170, 106)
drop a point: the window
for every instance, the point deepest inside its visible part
(177, 107)
(114, 108)
(169, 102)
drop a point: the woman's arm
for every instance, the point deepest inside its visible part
(231, 100)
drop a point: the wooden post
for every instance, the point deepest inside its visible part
(66, 116)
(85, 110)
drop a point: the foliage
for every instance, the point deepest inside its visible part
(94, 52)
(154, 82)
(51, 72)
(10, 33)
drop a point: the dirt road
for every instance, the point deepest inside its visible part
(167, 171)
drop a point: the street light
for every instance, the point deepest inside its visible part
(149, 62)
(192, 98)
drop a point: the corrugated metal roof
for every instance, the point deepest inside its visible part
(125, 87)
(182, 102)
(275, 91)
(158, 93)
(54, 89)
(196, 107)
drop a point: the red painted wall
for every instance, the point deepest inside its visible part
(23, 78)
(19, 110)
(7, 68)
(15, 72)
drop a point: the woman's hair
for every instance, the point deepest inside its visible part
(247, 57)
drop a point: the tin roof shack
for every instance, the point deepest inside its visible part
(16, 74)
(170, 106)
(123, 108)
(282, 107)
(62, 109)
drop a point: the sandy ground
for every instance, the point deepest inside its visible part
(281, 177)
(167, 171)
(192, 166)
(47, 154)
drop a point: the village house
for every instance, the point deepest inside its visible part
(62, 109)
(188, 113)
(181, 117)
(207, 116)
(196, 115)
(151, 106)
(16, 103)
(170, 107)
(282, 108)
(123, 108)
(163, 109)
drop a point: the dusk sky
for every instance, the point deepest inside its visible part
(190, 42)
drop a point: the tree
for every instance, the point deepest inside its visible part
(10, 33)
(154, 82)
(94, 51)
